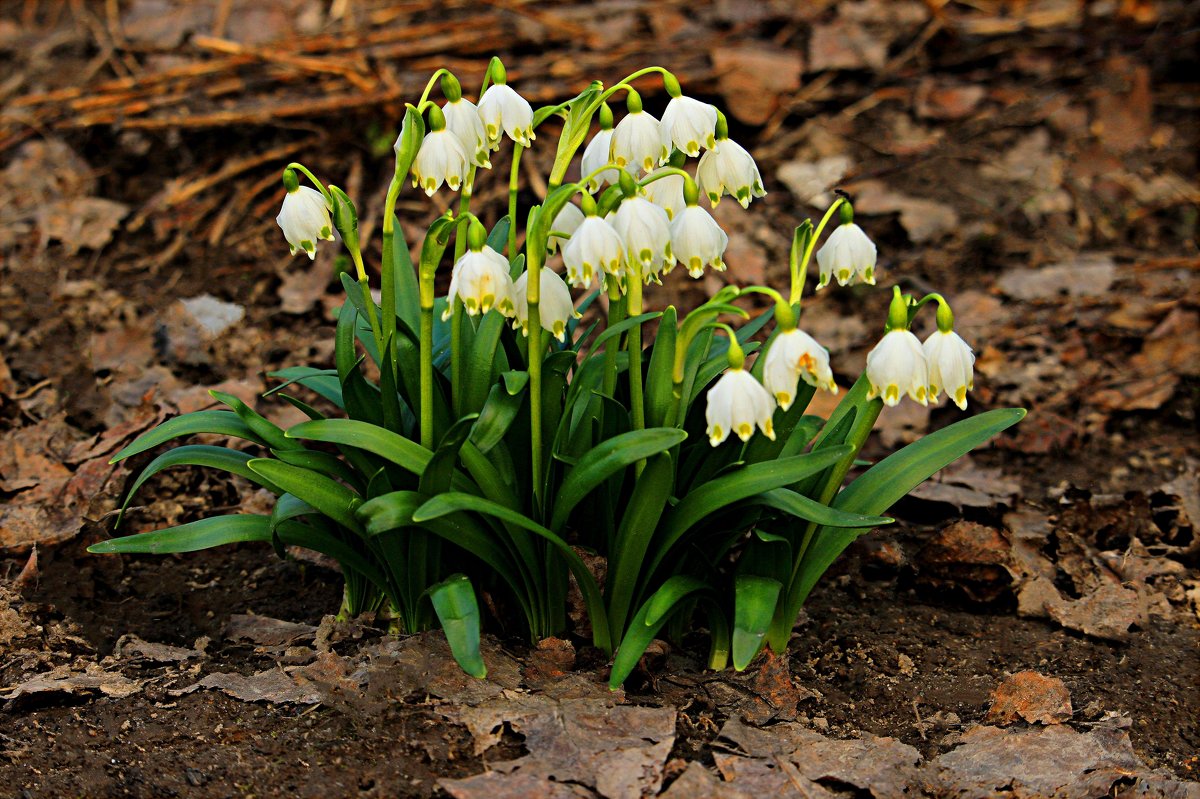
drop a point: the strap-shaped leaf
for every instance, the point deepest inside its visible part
(229, 460)
(408, 308)
(324, 493)
(222, 423)
(191, 537)
(481, 362)
(324, 382)
(457, 609)
(642, 631)
(439, 472)
(499, 411)
(638, 523)
(406, 454)
(451, 502)
(605, 460)
(734, 487)
(754, 600)
(266, 430)
(658, 394)
(322, 462)
(810, 510)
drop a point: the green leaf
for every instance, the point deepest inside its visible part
(638, 523)
(439, 472)
(734, 487)
(499, 412)
(754, 600)
(659, 394)
(324, 382)
(191, 537)
(322, 462)
(605, 460)
(352, 433)
(324, 493)
(228, 460)
(802, 507)
(408, 309)
(498, 238)
(642, 629)
(451, 502)
(223, 423)
(266, 430)
(457, 609)
(481, 362)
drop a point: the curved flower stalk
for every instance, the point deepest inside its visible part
(896, 365)
(729, 169)
(793, 355)
(504, 112)
(847, 255)
(481, 281)
(557, 307)
(304, 218)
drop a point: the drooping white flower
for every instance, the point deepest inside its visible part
(736, 404)
(847, 255)
(442, 157)
(698, 241)
(646, 232)
(481, 280)
(462, 119)
(595, 156)
(567, 221)
(666, 192)
(504, 111)
(637, 142)
(304, 219)
(729, 169)
(555, 307)
(689, 124)
(897, 366)
(595, 247)
(793, 355)
(951, 366)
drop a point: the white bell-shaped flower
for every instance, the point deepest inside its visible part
(637, 142)
(689, 124)
(847, 256)
(555, 306)
(595, 156)
(897, 366)
(462, 119)
(595, 247)
(794, 355)
(698, 241)
(481, 280)
(442, 157)
(646, 231)
(951, 366)
(666, 192)
(736, 404)
(567, 221)
(503, 111)
(304, 219)
(729, 169)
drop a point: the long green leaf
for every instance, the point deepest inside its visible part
(499, 411)
(659, 386)
(638, 523)
(396, 448)
(605, 460)
(451, 502)
(457, 609)
(324, 493)
(642, 630)
(754, 600)
(266, 430)
(222, 423)
(810, 510)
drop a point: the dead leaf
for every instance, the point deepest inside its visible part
(517, 785)
(697, 782)
(130, 646)
(936, 100)
(1031, 697)
(301, 289)
(1089, 275)
(265, 631)
(270, 685)
(62, 680)
(844, 45)
(1107, 612)
(966, 485)
(810, 182)
(924, 220)
(1122, 111)
(80, 222)
(752, 77)
(970, 557)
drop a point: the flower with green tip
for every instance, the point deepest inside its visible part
(689, 124)
(304, 219)
(481, 280)
(637, 142)
(442, 158)
(897, 366)
(462, 119)
(503, 111)
(666, 192)
(736, 404)
(595, 247)
(729, 169)
(848, 256)
(951, 366)
(794, 355)
(567, 221)
(595, 157)
(555, 307)
(698, 241)
(646, 230)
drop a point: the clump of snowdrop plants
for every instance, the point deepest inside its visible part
(481, 441)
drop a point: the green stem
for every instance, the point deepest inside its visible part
(801, 275)
(320, 186)
(616, 313)
(426, 366)
(458, 313)
(387, 282)
(368, 300)
(429, 86)
(535, 385)
(636, 402)
(514, 177)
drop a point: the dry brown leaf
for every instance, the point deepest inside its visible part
(265, 631)
(1031, 697)
(80, 222)
(62, 680)
(752, 77)
(270, 685)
